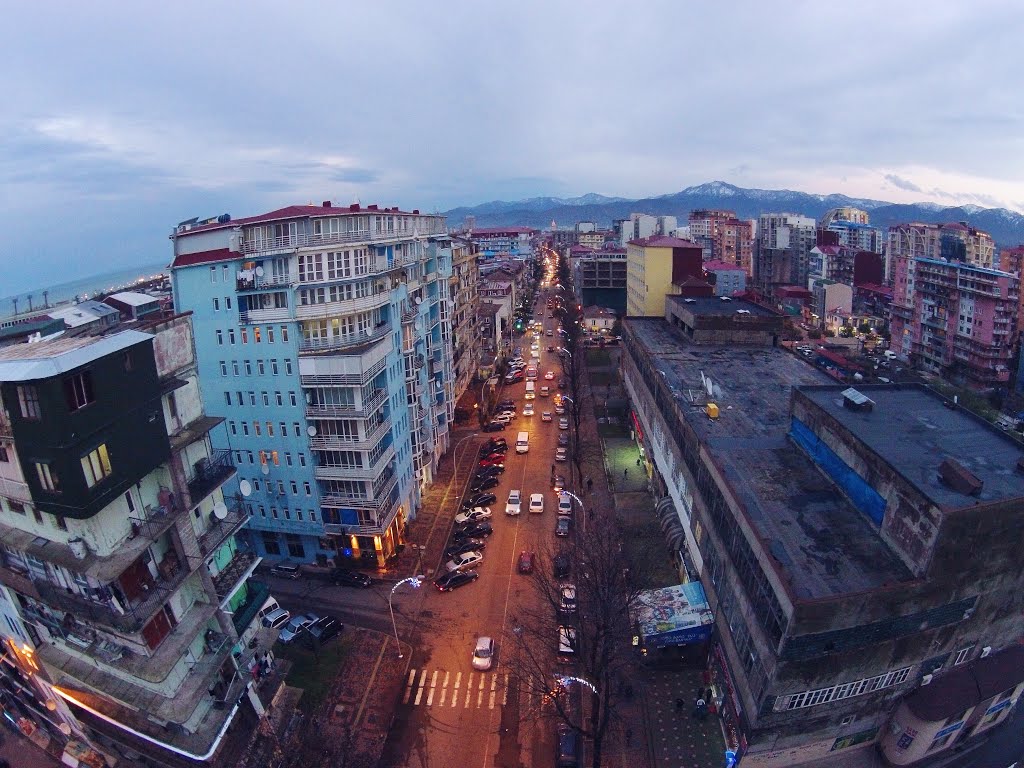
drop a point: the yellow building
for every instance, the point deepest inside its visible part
(653, 264)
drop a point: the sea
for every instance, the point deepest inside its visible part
(86, 287)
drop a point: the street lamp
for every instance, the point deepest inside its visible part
(583, 509)
(415, 581)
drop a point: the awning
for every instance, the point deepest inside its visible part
(671, 525)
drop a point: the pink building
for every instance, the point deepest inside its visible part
(955, 318)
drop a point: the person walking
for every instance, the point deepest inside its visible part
(625, 473)
(590, 484)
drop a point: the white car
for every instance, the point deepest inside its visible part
(483, 654)
(560, 409)
(528, 409)
(550, 375)
(545, 416)
(561, 455)
(564, 504)
(504, 417)
(535, 353)
(563, 423)
(536, 503)
(295, 626)
(535, 345)
(514, 505)
(474, 515)
(464, 562)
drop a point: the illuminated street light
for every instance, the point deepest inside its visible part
(415, 582)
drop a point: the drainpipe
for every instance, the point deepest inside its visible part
(164, 745)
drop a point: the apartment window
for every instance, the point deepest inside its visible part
(295, 548)
(292, 399)
(279, 398)
(298, 514)
(252, 399)
(270, 429)
(284, 429)
(257, 429)
(961, 655)
(227, 398)
(297, 428)
(96, 465)
(251, 457)
(273, 367)
(60, 522)
(47, 477)
(256, 335)
(312, 515)
(238, 397)
(273, 512)
(245, 335)
(238, 458)
(227, 302)
(16, 506)
(216, 304)
(302, 459)
(263, 511)
(306, 487)
(220, 338)
(295, 487)
(260, 367)
(266, 399)
(256, 487)
(284, 334)
(233, 428)
(224, 273)
(248, 368)
(288, 459)
(78, 391)
(274, 458)
(3, 453)
(270, 335)
(28, 399)
(234, 367)
(213, 274)
(223, 368)
(287, 514)
(231, 335)
(130, 501)
(245, 428)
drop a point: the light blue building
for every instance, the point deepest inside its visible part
(323, 336)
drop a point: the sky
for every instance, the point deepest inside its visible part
(121, 119)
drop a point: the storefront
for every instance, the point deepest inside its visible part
(725, 701)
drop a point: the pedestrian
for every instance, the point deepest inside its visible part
(590, 484)
(699, 708)
(625, 473)
(638, 461)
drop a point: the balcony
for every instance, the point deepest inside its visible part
(250, 281)
(350, 341)
(423, 225)
(285, 525)
(356, 473)
(241, 566)
(209, 474)
(377, 501)
(364, 529)
(220, 529)
(257, 593)
(343, 443)
(344, 307)
(15, 489)
(368, 371)
(365, 410)
(6, 430)
(197, 429)
(274, 314)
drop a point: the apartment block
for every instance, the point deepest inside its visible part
(957, 241)
(463, 300)
(729, 278)
(654, 266)
(725, 238)
(496, 242)
(119, 552)
(324, 340)
(782, 254)
(956, 319)
(852, 542)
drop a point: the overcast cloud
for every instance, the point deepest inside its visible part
(121, 119)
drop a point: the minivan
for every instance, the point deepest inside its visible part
(531, 390)
(545, 391)
(286, 570)
(523, 442)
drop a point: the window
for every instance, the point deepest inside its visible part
(248, 368)
(96, 465)
(257, 429)
(3, 453)
(259, 367)
(233, 428)
(256, 335)
(245, 428)
(295, 548)
(28, 399)
(227, 398)
(273, 367)
(266, 399)
(307, 489)
(288, 367)
(279, 398)
(251, 457)
(284, 334)
(245, 335)
(216, 304)
(280, 487)
(284, 429)
(312, 515)
(128, 363)
(238, 398)
(231, 336)
(274, 458)
(292, 399)
(60, 522)
(227, 302)
(213, 274)
(270, 429)
(297, 428)
(224, 273)
(302, 459)
(78, 391)
(220, 338)
(223, 368)
(234, 367)
(270, 335)
(295, 487)
(48, 477)
(16, 506)
(130, 501)
(252, 399)
(238, 458)
(961, 655)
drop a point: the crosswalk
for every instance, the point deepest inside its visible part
(464, 690)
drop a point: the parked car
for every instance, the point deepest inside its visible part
(514, 505)
(563, 439)
(295, 626)
(483, 654)
(525, 563)
(559, 485)
(468, 545)
(494, 456)
(465, 562)
(497, 461)
(488, 448)
(343, 577)
(567, 598)
(494, 426)
(459, 536)
(455, 579)
(478, 529)
(474, 515)
(561, 454)
(484, 472)
(504, 417)
(565, 505)
(479, 500)
(562, 526)
(322, 630)
(496, 444)
(514, 378)
(286, 570)
(563, 423)
(276, 618)
(546, 416)
(483, 484)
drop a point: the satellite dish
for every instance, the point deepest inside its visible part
(368, 331)
(245, 487)
(311, 430)
(220, 510)
(710, 386)
(418, 301)
(718, 392)
(259, 271)
(265, 469)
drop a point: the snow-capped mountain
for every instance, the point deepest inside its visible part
(1006, 227)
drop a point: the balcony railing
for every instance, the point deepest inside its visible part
(253, 282)
(377, 501)
(344, 442)
(347, 341)
(239, 567)
(257, 594)
(348, 411)
(356, 473)
(15, 489)
(343, 307)
(365, 529)
(250, 316)
(209, 474)
(220, 529)
(425, 225)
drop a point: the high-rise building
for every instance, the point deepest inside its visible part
(462, 297)
(654, 267)
(956, 241)
(324, 339)
(119, 551)
(784, 243)
(724, 237)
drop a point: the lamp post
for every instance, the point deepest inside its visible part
(583, 509)
(455, 455)
(415, 581)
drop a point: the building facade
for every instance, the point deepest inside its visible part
(729, 278)
(724, 237)
(653, 265)
(119, 548)
(847, 561)
(324, 339)
(463, 299)
(957, 241)
(956, 319)
(495, 242)
(784, 243)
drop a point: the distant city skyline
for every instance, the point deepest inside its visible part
(114, 132)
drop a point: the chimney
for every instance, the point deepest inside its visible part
(416, 211)
(371, 207)
(354, 207)
(327, 203)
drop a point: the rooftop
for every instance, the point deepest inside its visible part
(721, 266)
(45, 359)
(84, 312)
(824, 546)
(133, 298)
(716, 306)
(289, 212)
(914, 430)
(663, 241)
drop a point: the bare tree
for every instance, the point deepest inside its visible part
(584, 693)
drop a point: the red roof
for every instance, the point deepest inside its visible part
(721, 266)
(202, 257)
(663, 241)
(875, 288)
(300, 211)
(793, 291)
(845, 362)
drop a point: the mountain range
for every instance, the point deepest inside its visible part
(1005, 226)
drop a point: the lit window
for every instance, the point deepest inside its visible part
(28, 399)
(96, 465)
(47, 477)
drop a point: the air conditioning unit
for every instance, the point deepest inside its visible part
(986, 651)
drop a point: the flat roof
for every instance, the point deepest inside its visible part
(45, 359)
(822, 544)
(912, 428)
(133, 298)
(716, 306)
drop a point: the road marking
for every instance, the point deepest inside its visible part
(433, 682)
(419, 690)
(469, 690)
(504, 695)
(444, 689)
(494, 686)
(480, 692)
(408, 689)
(455, 693)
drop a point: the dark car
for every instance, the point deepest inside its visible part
(525, 564)
(493, 426)
(322, 630)
(493, 447)
(478, 529)
(561, 383)
(484, 472)
(484, 483)
(561, 565)
(455, 579)
(479, 500)
(497, 443)
(343, 577)
(506, 404)
(514, 378)
(468, 545)
(461, 537)
(563, 439)
(496, 456)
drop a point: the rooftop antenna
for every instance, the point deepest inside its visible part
(29, 302)
(15, 302)
(46, 299)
